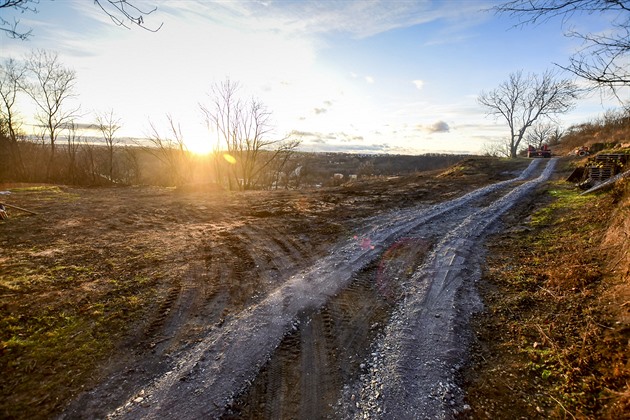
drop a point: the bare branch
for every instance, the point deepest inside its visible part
(50, 86)
(171, 150)
(603, 60)
(11, 28)
(122, 11)
(243, 130)
(108, 124)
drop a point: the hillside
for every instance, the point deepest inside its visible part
(553, 340)
(104, 278)
(106, 290)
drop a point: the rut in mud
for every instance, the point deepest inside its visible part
(377, 325)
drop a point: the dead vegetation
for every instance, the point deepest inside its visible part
(553, 341)
(607, 132)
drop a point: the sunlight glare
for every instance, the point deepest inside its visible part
(229, 158)
(199, 146)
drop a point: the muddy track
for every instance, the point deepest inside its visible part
(426, 339)
(224, 271)
(341, 337)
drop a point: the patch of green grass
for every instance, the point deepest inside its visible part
(46, 193)
(54, 333)
(45, 355)
(563, 200)
(49, 352)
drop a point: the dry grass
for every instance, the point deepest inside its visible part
(610, 131)
(61, 313)
(553, 342)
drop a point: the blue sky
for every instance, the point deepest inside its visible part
(387, 76)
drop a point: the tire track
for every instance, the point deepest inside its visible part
(225, 362)
(428, 335)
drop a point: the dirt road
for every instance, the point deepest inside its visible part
(376, 326)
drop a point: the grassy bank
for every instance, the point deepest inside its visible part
(553, 340)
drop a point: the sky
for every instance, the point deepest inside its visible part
(390, 76)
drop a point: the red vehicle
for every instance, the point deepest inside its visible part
(543, 152)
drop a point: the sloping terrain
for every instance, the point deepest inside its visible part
(245, 304)
(553, 340)
(107, 285)
(205, 379)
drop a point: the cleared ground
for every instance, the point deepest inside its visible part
(137, 292)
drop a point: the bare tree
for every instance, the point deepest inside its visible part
(243, 129)
(541, 133)
(496, 148)
(123, 13)
(172, 151)
(285, 168)
(219, 116)
(88, 162)
(130, 172)
(603, 60)
(555, 136)
(11, 77)
(523, 99)
(51, 86)
(72, 150)
(108, 124)
(11, 28)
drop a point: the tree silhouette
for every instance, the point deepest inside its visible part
(123, 13)
(603, 60)
(523, 99)
(243, 129)
(50, 85)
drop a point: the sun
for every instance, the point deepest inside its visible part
(199, 146)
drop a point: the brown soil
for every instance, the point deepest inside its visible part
(104, 288)
(102, 278)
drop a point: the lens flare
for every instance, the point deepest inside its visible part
(364, 243)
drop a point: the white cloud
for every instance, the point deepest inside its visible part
(439, 127)
(418, 83)
(360, 19)
(369, 79)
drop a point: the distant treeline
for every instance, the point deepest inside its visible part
(378, 165)
(83, 163)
